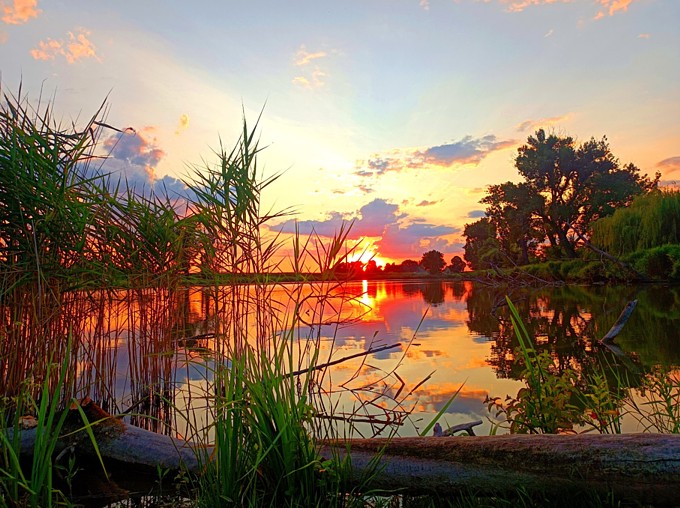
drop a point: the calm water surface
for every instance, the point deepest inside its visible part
(131, 350)
(452, 334)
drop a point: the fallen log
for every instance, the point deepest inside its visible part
(632, 467)
(124, 443)
(636, 467)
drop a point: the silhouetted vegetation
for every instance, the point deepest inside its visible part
(566, 188)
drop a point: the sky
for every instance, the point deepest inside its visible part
(396, 114)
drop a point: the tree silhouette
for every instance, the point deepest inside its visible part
(571, 186)
(408, 266)
(482, 249)
(518, 229)
(371, 267)
(566, 187)
(433, 261)
(457, 264)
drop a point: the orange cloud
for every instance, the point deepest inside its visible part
(19, 11)
(304, 57)
(520, 5)
(183, 123)
(314, 78)
(76, 48)
(613, 6)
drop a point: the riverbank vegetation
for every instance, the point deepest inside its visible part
(578, 215)
(88, 266)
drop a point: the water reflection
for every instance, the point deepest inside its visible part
(130, 350)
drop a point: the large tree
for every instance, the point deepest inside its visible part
(572, 186)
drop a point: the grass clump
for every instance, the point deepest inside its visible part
(265, 453)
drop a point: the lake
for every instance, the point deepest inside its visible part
(152, 352)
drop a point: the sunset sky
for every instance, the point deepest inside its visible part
(397, 113)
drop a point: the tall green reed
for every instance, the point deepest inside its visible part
(656, 403)
(36, 486)
(88, 233)
(609, 390)
(546, 404)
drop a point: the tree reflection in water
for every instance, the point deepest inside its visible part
(128, 349)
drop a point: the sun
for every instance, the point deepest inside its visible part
(370, 253)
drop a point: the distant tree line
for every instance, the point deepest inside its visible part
(566, 189)
(431, 262)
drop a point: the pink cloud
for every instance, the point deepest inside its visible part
(520, 5)
(18, 12)
(670, 165)
(78, 47)
(542, 122)
(611, 7)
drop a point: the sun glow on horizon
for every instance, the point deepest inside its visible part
(368, 253)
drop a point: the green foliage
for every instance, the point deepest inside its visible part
(226, 204)
(662, 263)
(510, 207)
(576, 185)
(602, 402)
(546, 404)
(556, 401)
(47, 202)
(652, 220)
(36, 488)
(482, 249)
(565, 187)
(265, 454)
(657, 406)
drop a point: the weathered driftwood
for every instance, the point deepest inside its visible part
(125, 443)
(620, 323)
(461, 427)
(643, 467)
(639, 467)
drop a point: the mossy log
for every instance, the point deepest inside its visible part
(639, 467)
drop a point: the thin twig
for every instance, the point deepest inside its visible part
(345, 358)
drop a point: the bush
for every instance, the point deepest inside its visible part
(658, 263)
